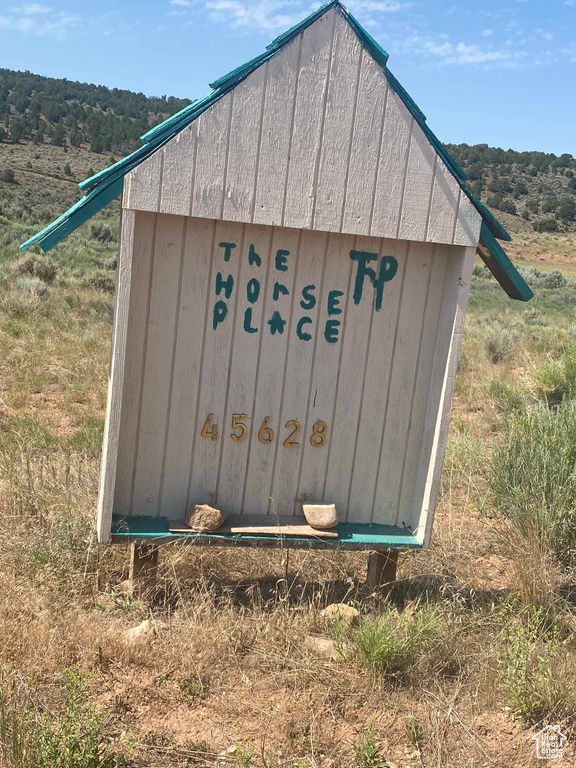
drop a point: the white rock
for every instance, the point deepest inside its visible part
(204, 518)
(144, 632)
(321, 516)
(321, 646)
(337, 611)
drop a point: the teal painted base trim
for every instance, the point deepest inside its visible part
(354, 535)
(502, 268)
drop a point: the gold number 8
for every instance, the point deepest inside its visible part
(318, 436)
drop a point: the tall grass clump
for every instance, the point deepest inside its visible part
(555, 380)
(392, 643)
(532, 475)
(71, 737)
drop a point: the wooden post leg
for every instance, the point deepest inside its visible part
(381, 571)
(143, 569)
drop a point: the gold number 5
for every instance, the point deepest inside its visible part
(237, 424)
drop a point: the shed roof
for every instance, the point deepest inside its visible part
(104, 186)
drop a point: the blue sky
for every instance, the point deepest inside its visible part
(502, 72)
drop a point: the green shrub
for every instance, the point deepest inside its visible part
(7, 176)
(101, 280)
(369, 750)
(538, 675)
(506, 398)
(32, 284)
(546, 225)
(556, 380)
(532, 479)
(36, 265)
(500, 341)
(392, 643)
(71, 738)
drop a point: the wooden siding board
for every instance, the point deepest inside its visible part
(404, 367)
(355, 339)
(157, 381)
(276, 131)
(376, 388)
(244, 371)
(444, 206)
(365, 148)
(417, 192)
(145, 185)
(387, 203)
(326, 368)
(244, 147)
(268, 394)
(297, 375)
(422, 385)
(178, 172)
(195, 293)
(339, 116)
(215, 369)
(308, 121)
(140, 251)
(211, 154)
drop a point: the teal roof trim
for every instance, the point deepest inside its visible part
(102, 187)
(495, 258)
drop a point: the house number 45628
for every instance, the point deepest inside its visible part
(266, 433)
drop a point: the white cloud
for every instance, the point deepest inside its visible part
(487, 32)
(39, 20)
(261, 15)
(568, 2)
(185, 3)
(32, 9)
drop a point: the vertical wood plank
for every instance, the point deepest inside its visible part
(339, 117)
(145, 184)
(365, 149)
(158, 363)
(244, 367)
(273, 361)
(392, 168)
(417, 187)
(308, 121)
(457, 291)
(195, 292)
(216, 365)
(422, 382)
(110, 452)
(277, 121)
(343, 424)
(296, 384)
(244, 147)
(178, 172)
(326, 366)
(444, 206)
(404, 366)
(376, 388)
(133, 356)
(468, 222)
(211, 154)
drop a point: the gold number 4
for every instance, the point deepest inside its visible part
(209, 429)
(318, 436)
(265, 434)
(237, 424)
(290, 442)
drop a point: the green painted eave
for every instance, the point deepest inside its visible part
(495, 258)
(102, 187)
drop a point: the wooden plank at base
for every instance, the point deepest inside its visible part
(260, 525)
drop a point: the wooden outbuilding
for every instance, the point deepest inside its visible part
(295, 261)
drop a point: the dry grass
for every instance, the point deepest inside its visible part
(229, 670)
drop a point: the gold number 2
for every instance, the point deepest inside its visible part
(209, 429)
(318, 436)
(237, 424)
(289, 442)
(265, 434)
